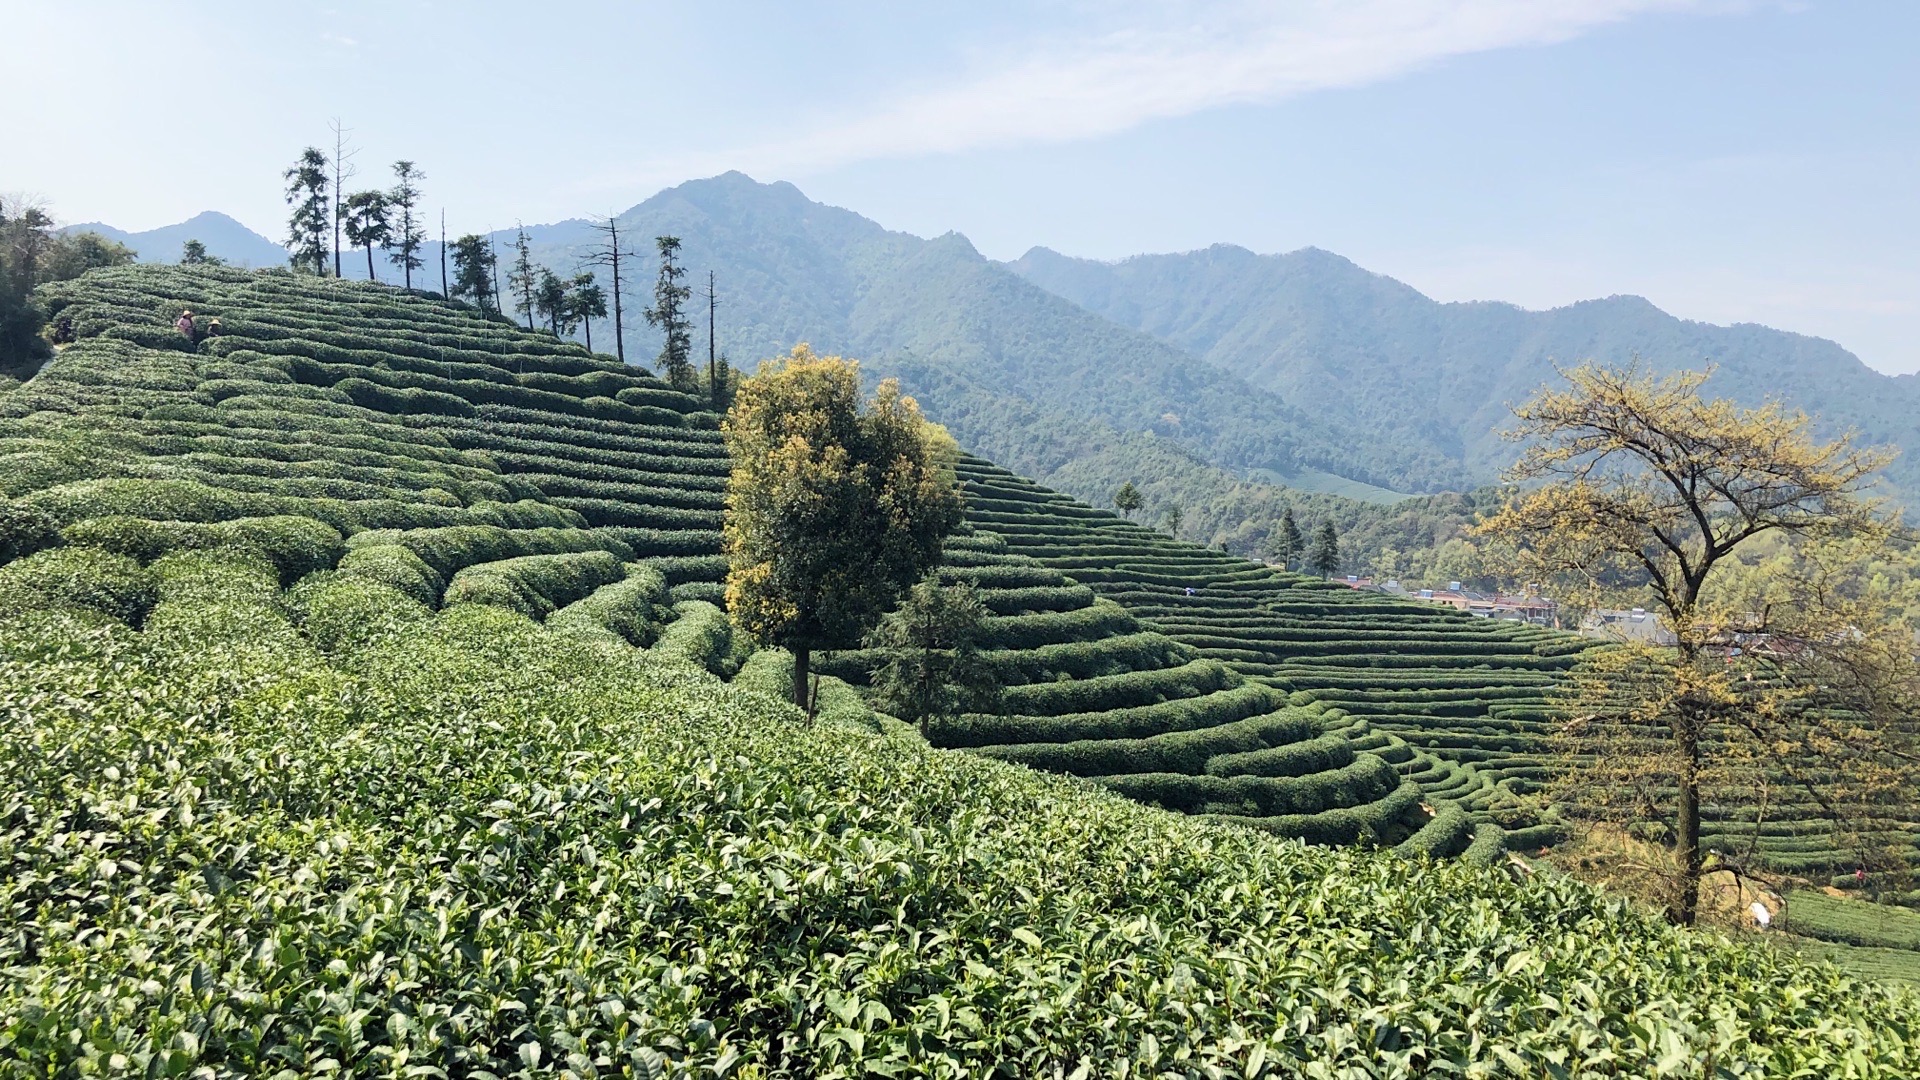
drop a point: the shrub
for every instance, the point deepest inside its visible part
(1181, 714)
(1289, 757)
(1489, 843)
(770, 672)
(450, 549)
(1365, 780)
(24, 530)
(396, 567)
(701, 635)
(631, 610)
(84, 578)
(296, 546)
(1123, 690)
(1444, 835)
(1174, 752)
(341, 612)
(534, 585)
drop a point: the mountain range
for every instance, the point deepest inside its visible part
(1228, 383)
(224, 237)
(1371, 353)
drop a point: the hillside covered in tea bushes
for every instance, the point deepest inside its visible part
(1466, 703)
(364, 708)
(406, 441)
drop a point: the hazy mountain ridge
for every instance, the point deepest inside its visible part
(1365, 349)
(792, 270)
(224, 237)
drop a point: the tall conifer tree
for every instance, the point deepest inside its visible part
(409, 236)
(1325, 557)
(307, 225)
(669, 314)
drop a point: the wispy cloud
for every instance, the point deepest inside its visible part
(1173, 59)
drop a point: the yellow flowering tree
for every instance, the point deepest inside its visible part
(1635, 490)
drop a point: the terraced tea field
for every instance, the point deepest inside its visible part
(1468, 697)
(365, 710)
(404, 441)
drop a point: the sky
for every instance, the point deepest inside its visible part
(1731, 160)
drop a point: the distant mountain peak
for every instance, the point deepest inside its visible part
(224, 237)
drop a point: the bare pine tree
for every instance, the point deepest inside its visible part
(608, 253)
(343, 170)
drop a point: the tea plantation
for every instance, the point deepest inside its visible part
(365, 708)
(465, 461)
(1470, 697)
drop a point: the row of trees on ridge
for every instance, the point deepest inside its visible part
(390, 219)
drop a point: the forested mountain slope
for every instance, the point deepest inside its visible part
(359, 714)
(1012, 369)
(1369, 352)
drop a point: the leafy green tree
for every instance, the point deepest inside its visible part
(32, 254)
(1172, 518)
(473, 272)
(368, 222)
(832, 511)
(1288, 543)
(669, 314)
(1127, 499)
(934, 669)
(194, 253)
(1324, 559)
(307, 226)
(73, 254)
(409, 235)
(524, 278)
(25, 233)
(550, 300)
(586, 301)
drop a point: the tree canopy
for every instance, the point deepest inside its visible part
(832, 510)
(668, 313)
(934, 668)
(1640, 489)
(473, 267)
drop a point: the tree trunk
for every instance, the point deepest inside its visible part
(586, 324)
(802, 658)
(619, 333)
(1688, 727)
(1686, 846)
(369, 262)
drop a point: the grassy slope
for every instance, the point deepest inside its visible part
(401, 421)
(461, 842)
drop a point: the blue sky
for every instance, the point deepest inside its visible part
(1732, 160)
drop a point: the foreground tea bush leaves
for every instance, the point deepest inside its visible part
(473, 846)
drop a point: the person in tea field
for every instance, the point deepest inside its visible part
(213, 328)
(184, 324)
